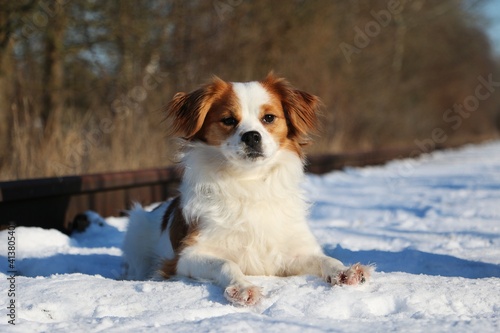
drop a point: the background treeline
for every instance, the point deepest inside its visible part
(83, 83)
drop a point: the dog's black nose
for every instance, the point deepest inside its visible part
(252, 139)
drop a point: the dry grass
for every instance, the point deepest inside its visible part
(87, 143)
(84, 144)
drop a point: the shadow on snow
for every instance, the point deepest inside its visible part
(416, 262)
(407, 261)
(105, 265)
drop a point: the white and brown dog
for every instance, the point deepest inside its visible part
(241, 210)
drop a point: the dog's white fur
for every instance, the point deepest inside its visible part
(247, 215)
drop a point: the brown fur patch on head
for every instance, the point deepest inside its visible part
(225, 106)
(300, 108)
(187, 112)
(278, 126)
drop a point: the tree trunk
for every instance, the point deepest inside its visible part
(53, 76)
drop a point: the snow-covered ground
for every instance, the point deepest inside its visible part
(431, 225)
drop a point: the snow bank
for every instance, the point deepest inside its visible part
(432, 226)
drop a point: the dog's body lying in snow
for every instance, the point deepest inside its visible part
(241, 210)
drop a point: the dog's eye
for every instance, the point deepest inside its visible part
(229, 121)
(269, 118)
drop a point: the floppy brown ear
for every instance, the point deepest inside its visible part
(301, 108)
(188, 111)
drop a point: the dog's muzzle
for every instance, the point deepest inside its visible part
(253, 144)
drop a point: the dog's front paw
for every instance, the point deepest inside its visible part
(243, 295)
(354, 275)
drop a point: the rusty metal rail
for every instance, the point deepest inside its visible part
(58, 202)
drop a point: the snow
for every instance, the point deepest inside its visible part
(431, 225)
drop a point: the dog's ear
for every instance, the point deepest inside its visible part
(187, 112)
(301, 108)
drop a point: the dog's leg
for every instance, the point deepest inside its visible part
(330, 269)
(225, 273)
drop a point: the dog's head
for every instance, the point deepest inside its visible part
(246, 122)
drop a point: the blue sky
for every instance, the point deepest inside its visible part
(492, 12)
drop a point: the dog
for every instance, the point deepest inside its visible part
(241, 210)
